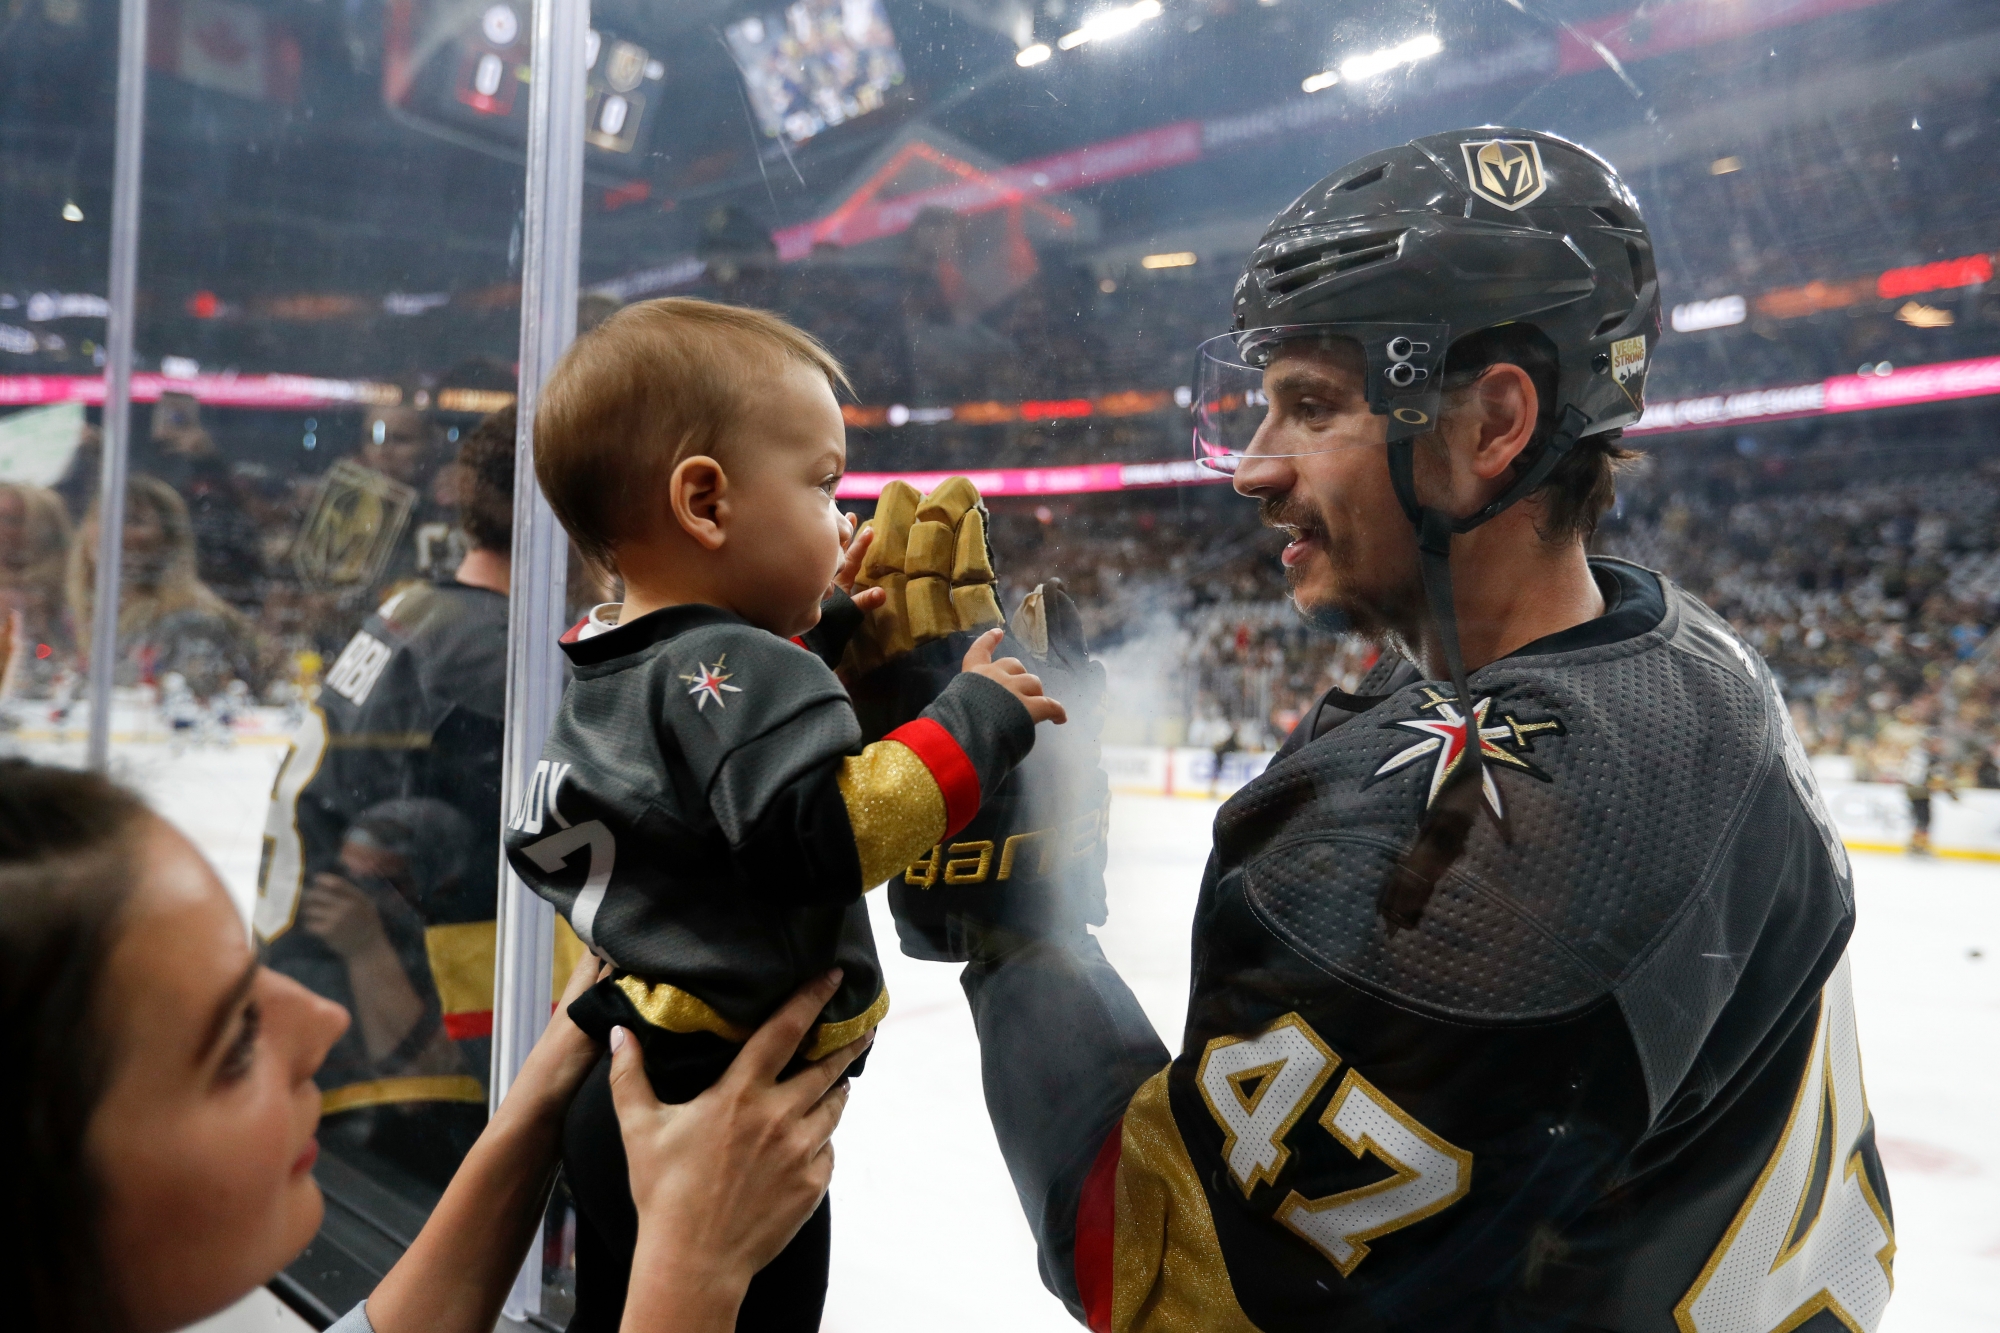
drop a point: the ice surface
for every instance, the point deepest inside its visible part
(928, 1233)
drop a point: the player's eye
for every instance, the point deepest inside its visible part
(242, 1051)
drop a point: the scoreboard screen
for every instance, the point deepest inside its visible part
(815, 64)
(463, 72)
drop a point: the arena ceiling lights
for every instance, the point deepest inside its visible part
(1361, 68)
(1108, 23)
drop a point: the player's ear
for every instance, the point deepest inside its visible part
(698, 492)
(1505, 405)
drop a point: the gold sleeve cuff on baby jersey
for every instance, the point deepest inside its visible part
(894, 806)
(830, 1037)
(670, 1007)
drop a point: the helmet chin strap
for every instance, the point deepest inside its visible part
(1446, 825)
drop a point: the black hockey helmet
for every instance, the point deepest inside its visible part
(1406, 249)
(1401, 252)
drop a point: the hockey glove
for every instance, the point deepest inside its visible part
(930, 553)
(1030, 866)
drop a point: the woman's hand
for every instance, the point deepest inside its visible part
(723, 1183)
(850, 570)
(564, 1055)
(1012, 676)
(456, 1275)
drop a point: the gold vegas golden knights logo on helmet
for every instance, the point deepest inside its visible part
(1506, 172)
(352, 529)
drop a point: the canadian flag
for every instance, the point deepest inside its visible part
(225, 47)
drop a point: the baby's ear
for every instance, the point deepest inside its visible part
(697, 490)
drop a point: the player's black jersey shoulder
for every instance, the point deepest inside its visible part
(433, 647)
(1634, 933)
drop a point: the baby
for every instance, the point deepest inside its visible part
(705, 813)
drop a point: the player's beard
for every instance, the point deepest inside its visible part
(1348, 609)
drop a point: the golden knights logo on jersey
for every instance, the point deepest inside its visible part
(1505, 172)
(352, 529)
(1503, 739)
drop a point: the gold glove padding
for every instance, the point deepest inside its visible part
(930, 554)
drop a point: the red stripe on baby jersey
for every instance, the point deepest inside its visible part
(466, 1026)
(1096, 1220)
(950, 767)
(574, 633)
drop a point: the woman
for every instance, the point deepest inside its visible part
(169, 621)
(34, 544)
(156, 1138)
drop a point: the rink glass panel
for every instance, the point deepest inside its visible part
(317, 260)
(1014, 259)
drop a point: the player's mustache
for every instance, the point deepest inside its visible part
(1290, 512)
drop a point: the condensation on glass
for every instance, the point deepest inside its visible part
(1013, 222)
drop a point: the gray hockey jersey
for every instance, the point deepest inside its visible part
(706, 817)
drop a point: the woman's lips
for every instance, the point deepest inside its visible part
(304, 1161)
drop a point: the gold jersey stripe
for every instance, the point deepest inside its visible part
(894, 806)
(675, 1010)
(830, 1037)
(669, 1007)
(1167, 1271)
(389, 1091)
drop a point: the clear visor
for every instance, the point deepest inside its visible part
(1400, 368)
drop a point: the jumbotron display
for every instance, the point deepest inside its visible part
(816, 64)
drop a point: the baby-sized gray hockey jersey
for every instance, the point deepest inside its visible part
(707, 818)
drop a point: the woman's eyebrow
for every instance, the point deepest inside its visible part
(218, 1022)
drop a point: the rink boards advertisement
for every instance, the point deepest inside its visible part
(1872, 816)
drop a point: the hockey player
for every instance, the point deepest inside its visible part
(378, 877)
(705, 814)
(1520, 996)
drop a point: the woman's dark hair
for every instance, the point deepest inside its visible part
(1584, 484)
(487, 510)
(65, 870)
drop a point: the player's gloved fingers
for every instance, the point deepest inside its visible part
(928, 599)
(975, 607)
(1030, 622)
(895, 514)
(971, 561)
(954, 498)
(1065, 623)
(772, 1046)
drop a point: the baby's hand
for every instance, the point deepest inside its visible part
(850, 567)
(1009, 672)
